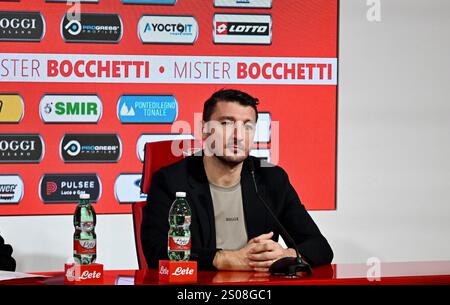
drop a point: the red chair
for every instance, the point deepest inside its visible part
(156, 156)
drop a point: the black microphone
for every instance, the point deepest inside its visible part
(287, 265)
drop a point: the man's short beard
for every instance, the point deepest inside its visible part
(230, 161)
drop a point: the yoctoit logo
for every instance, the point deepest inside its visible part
(171, 28)
(68, 187)
(90, 148)
(21, 148)
(168, 29)
(70, 108)
(11, 189)
(242, 29)
(21, 26)
(91, 27)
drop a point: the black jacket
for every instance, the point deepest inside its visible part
(188, 175)
(6, 261)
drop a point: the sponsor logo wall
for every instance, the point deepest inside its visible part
(81, 92)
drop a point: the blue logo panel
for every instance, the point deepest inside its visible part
(147, 109)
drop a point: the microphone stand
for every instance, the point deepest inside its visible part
(288, 266)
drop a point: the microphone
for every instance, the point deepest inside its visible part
(288, 266)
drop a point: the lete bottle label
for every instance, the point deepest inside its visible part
(85, 246)
(178, 243)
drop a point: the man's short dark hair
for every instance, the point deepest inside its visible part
(228, 95)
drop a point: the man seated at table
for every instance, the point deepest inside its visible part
(230, 229)
(7, 262)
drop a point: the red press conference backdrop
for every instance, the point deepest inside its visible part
(306, 112)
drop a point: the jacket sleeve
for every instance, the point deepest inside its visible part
(311, 244)
(155, 224)
(7, 262)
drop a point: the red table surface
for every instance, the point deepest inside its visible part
(400, 273)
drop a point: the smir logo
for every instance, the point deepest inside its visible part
(51, 187)
(70, 108)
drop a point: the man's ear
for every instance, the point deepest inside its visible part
(204, 129)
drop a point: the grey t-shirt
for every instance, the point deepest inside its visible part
(231, 233)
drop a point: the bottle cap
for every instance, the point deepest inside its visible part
(85, 196)
(180, 194)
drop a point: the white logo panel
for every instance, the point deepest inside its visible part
(11, 189)
(70, 109)
(262, 130)
(168, 29)
(242, 29)
(127, 188)
(145, 138)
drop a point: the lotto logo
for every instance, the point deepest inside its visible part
(242, 29)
